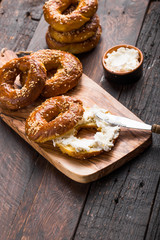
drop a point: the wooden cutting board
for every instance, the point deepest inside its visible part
(129, 144)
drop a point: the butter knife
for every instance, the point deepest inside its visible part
(126, 122)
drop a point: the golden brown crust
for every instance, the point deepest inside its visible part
(79, 35)
(53, 13)
(75, 48)
(35, 72)
(68, 70)
(55, 117)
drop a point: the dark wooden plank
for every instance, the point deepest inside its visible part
(16, 229)
(17, 163)
(52, 212)
(124, 204)
(153, 229)
(18, 21)
(17, 159)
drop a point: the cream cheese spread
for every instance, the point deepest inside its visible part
(103, 139)
(122, 60)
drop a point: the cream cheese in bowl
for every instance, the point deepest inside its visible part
(122, 60)
(123, 64)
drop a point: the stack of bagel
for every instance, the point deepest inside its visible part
(73, 25)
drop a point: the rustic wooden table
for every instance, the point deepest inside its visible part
(39, 202)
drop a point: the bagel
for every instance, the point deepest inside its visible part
(14, 98)
(79, 35)
(55, 117)
(53, 13)
(67, 70)
(82, 148)
(75, 48)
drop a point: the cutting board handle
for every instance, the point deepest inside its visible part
(155, 128)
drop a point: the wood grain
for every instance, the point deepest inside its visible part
(18, 22)
(129, 143)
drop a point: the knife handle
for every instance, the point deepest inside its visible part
(155, 128)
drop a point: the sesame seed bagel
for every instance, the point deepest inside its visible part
(79, 35)
(75, 48)
(35, 76)
(67, 70)
(55, 117)
(53, 13)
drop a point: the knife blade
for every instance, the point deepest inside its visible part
(126, 122)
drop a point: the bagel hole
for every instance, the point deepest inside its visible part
(51, 73)
(70, 9)
(20, 80)
(86, 133)
(17, 83)
(50, 116)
